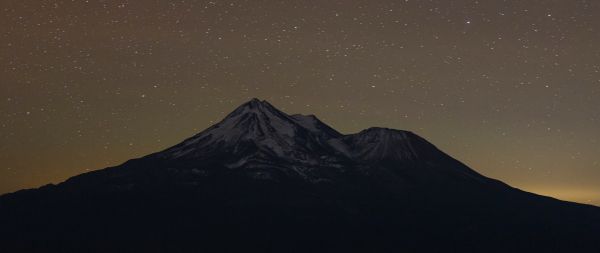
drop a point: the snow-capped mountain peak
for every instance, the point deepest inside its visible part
(377, 143)
(257, 135)
(258, 129)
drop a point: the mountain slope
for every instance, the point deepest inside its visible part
(264, 181)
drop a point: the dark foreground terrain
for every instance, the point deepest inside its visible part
(265, 181)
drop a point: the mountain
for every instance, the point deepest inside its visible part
(265, 181)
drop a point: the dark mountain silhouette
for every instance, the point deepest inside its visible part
(264, 181)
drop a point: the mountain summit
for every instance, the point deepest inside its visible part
(257, 129)
(261, 180)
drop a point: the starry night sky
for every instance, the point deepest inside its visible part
(511, 88)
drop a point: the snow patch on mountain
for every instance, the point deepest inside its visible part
(257, 135)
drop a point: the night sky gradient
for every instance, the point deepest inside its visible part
(511, 88)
